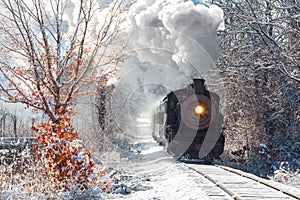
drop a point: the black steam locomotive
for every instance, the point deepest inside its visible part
(189, 124)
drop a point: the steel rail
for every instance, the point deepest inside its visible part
(222, 187)
(260, 180)
(242, 174)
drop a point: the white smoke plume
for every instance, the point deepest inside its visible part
(175, 32)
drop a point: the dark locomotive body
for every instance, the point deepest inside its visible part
(189, 123)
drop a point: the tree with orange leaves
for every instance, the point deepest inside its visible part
(52, 52)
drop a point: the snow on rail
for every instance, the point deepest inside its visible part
(242, 186)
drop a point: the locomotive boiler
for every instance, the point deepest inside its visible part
(188, 122)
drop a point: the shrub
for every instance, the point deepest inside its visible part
(66, 161)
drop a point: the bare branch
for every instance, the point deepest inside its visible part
(54, 62)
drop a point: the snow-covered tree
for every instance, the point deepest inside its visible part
(51, 53)
(260, 63)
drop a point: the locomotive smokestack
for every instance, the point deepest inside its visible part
(199, 86)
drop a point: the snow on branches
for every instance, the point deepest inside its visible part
(52, 51)
(64, 157)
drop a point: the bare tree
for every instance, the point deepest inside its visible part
(52, 50)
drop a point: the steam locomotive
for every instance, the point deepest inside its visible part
(188, 122)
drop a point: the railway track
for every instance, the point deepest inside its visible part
(227, 183)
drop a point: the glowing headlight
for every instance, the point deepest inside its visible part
(199, 109)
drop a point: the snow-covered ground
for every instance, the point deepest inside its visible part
(153, 174)
(147, 173)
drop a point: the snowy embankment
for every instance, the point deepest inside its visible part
(153, 174)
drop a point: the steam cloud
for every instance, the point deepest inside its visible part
(175, 32)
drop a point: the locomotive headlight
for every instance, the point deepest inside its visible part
(199, 109)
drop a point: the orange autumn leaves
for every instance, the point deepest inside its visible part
(64, 157)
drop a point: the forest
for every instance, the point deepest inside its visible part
(259, 62)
